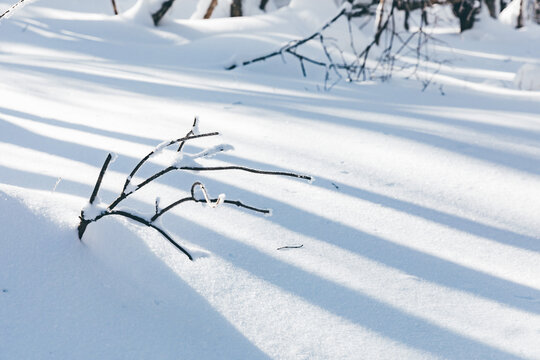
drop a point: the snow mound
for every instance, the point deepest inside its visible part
(140, 13)
(528, 77)
(108, 297)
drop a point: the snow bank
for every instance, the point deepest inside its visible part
(420, 237)
(528, 77)
(141, 13)
(109, 297)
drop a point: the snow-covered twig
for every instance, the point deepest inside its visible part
(91, 213)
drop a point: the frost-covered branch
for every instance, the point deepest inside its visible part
(183, 162)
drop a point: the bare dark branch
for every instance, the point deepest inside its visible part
(100, 178)
(169, 207)
(361, 65)
(158, 212)
(242, 168)
(190, 132)
(290, 48)
(114, 7)
(143, 221)
(149, 155)
(291, 247)
(210, 9)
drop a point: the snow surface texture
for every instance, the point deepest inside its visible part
(420, 236)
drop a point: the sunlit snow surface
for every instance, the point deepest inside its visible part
(420, 234)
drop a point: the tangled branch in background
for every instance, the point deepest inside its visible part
(184, 161)
(396, 49)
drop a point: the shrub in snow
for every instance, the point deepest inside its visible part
(183, 161)
(355, 56)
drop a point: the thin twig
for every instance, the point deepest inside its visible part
(114, 7)
(190, 132)
(144, 159)
(169, 207)
(242, 168)
(291, 247)
(12, 8)
(292, 45)
(100, 178)
(210, 9)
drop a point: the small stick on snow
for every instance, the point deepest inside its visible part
(290, 247)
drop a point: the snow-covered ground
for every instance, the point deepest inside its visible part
(420, 234)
